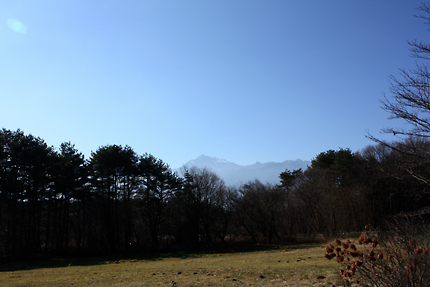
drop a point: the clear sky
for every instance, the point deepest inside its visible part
(242, 80)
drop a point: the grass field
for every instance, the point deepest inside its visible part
(302, 265)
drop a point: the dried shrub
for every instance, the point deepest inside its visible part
(396, 258)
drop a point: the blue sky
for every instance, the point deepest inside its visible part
(242, 80)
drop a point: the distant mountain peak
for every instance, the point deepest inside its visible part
(210, 158)
(209, 162)
(234, 174)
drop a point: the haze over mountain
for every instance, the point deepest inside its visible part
(234, 174)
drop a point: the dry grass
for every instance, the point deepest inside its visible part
(300, 267)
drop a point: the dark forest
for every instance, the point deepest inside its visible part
(55, 201)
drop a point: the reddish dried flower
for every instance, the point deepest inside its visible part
(367, 240)
(352, 246)
(390, 256)
(358, 263)
(348, 267)
(426, 251)
(337, 241)
(339, 259)
(376, 276)
(419, 250)
(328, 249)
(344, 245)
(337, 249)
(347, 258)
(373, 265)
(328, 256)
(380, 256)
(374, 244)
(411, 243)
(357, 281)
(348, 241)
(371, 253)
(348, 274)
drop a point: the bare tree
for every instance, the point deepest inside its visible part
(410, 102)
(201, 208)
(411, 92)
(261, 209)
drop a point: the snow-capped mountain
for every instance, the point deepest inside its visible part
(234, 174)
(210, 162)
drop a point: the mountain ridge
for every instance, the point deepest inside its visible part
(234, 174)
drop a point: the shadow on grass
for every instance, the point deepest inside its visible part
(43, 260)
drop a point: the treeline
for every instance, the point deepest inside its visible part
(55, 200)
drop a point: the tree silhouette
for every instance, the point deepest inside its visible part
(113, 170)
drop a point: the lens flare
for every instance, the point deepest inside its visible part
(17, 26)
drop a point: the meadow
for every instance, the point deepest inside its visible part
(299, 265)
